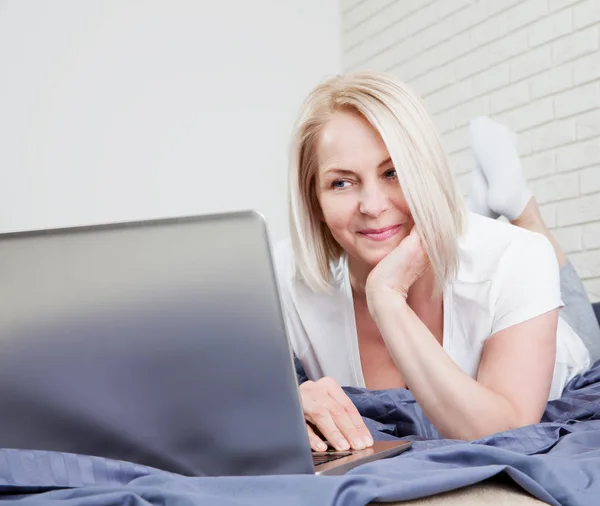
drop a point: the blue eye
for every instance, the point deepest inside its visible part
(338, 184)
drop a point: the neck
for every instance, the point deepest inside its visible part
(421, 290)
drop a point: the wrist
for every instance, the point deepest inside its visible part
(381, 301)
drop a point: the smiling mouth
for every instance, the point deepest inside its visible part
(380, 234)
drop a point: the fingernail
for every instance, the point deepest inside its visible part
(368, 441)
(322, 447)
(358, 444)
(343, 444)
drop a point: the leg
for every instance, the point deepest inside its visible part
(498, 161)
(531, 219)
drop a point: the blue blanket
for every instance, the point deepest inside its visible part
(557, 461)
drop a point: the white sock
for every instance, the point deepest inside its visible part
(496, 153)
(478, 194)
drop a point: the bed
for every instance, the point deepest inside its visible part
(555, 462)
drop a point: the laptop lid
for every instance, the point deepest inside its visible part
(158, 342)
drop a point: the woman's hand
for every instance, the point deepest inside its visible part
(330, 410)
(399, 269)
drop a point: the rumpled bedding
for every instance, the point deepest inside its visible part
(557, 461)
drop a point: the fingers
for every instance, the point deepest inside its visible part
(332, 412)
(361, 435)
(315, 441)
(323, 418)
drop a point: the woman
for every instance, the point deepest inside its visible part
(388, 283)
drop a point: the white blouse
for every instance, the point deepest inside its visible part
(506, 275)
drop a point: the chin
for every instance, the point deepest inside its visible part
(372, 256)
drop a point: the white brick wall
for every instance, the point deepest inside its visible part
(532, 64)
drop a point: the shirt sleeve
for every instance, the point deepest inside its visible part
(295, 331)
(527, 282)
(301, 375)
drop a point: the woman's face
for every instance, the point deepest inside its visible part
(357, 188)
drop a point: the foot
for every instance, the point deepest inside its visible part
(496, 153)
(478, 194)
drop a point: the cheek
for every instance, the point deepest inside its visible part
(336, 211)
(399, 203)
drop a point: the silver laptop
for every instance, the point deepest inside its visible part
(160, 343)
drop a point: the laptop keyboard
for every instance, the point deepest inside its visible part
(325, 457)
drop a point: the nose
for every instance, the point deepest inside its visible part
(373, 200)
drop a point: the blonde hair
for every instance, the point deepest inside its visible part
(414, 146)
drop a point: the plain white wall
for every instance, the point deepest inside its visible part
(113, 110)
(532, 64)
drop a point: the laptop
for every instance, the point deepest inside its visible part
(160, 343)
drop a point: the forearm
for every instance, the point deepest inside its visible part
(459, 406)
